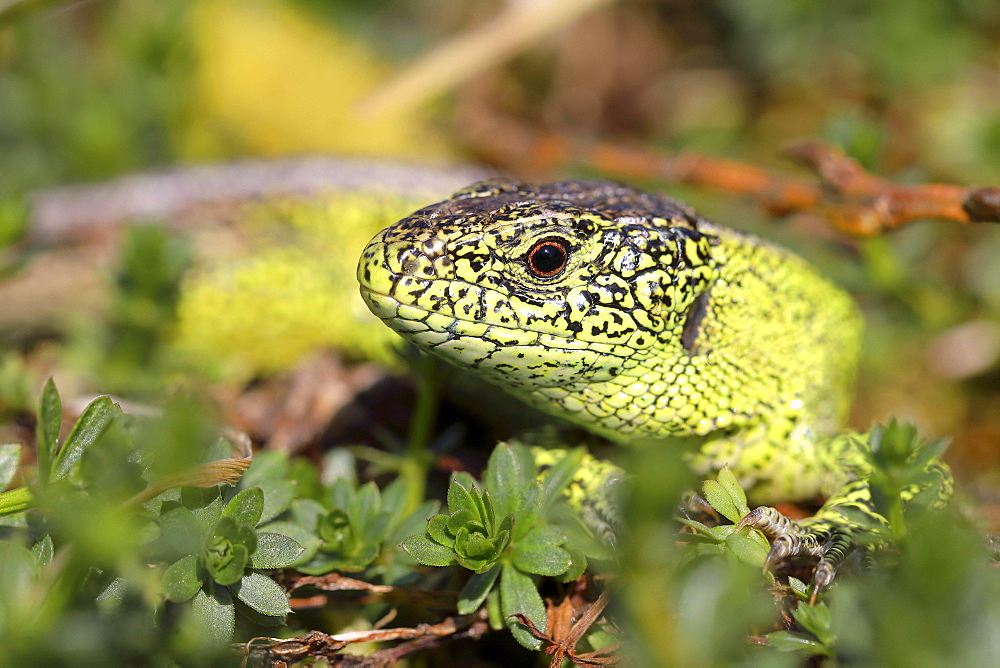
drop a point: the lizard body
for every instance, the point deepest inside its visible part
(629, 314)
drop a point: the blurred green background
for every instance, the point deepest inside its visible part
(234, 295)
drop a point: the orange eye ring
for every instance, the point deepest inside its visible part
(547, 258)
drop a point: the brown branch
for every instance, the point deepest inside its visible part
(337, 582)
(321, 645)
(851, 199)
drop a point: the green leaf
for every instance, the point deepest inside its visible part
(180, 528)
(47, 430)
(43, 550)
(460, 496)
(474, 545)
(578, 563)
(747, 549)
(484, 502)
(558, 477)
(518, 594)
(267, 465)
(394, 497)
(366, 505)
(246, 507)
(798, 586)
(278, 496)
(94, 421)
(10, 459)
(510, 469)
(246, 537)
(262, 594)
(180, 581)
(493, 614)
(425, 551)
(552, 561)
(341, 493)
(360, 558)
(334, 528)
(694, 524)
(598, 638)
(275, 550)
(464, 519)
(308, 512)
(539, 552)
(545, 536)
(729, 482)
(110, 600)
(816, 619)
(18, 572)
(929, 452)
(475, 551)
(792, 641)
(206, 504)
(476, 590)
(227, 562)
(306, 539)
(528, 507)
(215, 614)
(437, 529)
(719, 497)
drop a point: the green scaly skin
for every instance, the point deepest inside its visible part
(659, 324)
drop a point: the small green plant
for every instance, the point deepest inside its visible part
(356, 527)
(129, 352)
(104, 527)
(815, 636)
(727, 498)
(502, 532)
(224, 555)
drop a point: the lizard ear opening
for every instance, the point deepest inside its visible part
(692, 322)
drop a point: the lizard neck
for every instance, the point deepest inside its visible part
(769, 341)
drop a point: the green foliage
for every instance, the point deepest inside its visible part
(726, 496)
(900, 461)
(93, 539)
(340, 526)
(502, 532)
(13, 219)
(129, 351)
(16, 393)
(222, 548)
(357, 526)
(510, 534)
(124, 107)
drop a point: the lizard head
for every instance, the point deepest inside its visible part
(541, 287)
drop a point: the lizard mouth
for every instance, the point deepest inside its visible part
(470, 343)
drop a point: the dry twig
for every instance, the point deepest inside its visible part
(851, 199)
(564, 634)
(321, 645)
(373, 592)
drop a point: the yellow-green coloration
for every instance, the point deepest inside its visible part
(660, 324)
(591, 489)
(627, 313)
(282, 294)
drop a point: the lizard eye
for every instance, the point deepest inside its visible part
(547, 258)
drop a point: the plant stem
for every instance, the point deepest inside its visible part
(418, 459)
(15, 500)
